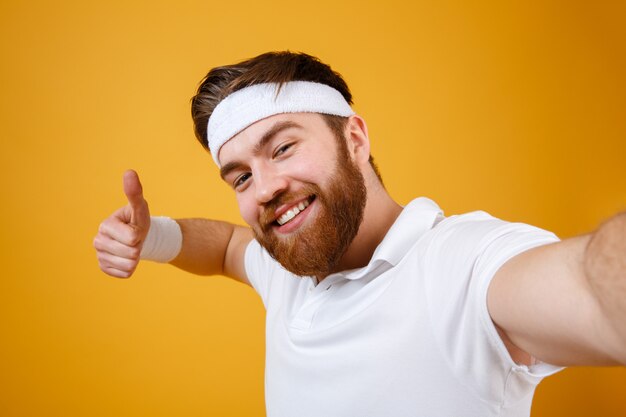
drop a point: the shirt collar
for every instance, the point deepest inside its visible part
(416, 218)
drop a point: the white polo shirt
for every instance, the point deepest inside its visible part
(407, 335)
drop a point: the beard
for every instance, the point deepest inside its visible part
(317, 249)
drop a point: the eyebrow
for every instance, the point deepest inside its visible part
(258, 148)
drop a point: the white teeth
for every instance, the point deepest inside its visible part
(293, 212)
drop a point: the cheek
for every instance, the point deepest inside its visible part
(247, 209)
(312, 170)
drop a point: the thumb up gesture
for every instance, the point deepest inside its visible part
(120, 236)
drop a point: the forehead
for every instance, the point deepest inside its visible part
(246, 140)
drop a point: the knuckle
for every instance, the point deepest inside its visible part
(134, 239)
(132, 264)
(135, 252)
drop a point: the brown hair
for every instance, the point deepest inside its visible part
(270, 67)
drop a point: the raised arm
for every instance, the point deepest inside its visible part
(565, 303)
(208, 247)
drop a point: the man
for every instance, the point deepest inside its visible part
(374, 309)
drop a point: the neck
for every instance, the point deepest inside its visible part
(381, 211)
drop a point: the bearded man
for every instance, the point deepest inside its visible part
(373, 309)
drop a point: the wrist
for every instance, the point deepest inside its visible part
(164, 240)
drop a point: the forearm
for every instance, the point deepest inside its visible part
(605, 269)
(205, 246)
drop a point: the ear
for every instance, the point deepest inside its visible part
(357, 139)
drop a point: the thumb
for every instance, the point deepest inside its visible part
(139, 213)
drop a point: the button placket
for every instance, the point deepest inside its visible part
(314, 298)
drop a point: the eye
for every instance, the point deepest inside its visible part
(241, 180)
(282, 149)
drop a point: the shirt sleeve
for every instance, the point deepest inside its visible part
(261, 268)
(462, 258)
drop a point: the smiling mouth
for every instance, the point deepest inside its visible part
(293, 212)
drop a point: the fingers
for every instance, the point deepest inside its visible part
(116, 266)
(114, 257)
(118, 228)
(106, 244)
(139, 213)
(116, 273)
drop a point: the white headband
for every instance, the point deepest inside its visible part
(251, 104)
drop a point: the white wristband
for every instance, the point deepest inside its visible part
(164, 240)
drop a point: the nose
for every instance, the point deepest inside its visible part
(268, 183)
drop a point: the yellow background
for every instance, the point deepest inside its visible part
(510, 107)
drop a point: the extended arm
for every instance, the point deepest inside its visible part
(208, 247)
(213, 248)
(565, 303)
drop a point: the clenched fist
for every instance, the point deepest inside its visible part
(121, 236)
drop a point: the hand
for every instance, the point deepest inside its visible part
(120, 237)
